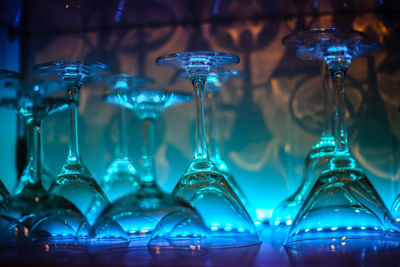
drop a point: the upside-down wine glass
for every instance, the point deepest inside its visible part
(342, 205)
(202, 184)
(121, 176)
(138, 213)
(316, 161)
(75, 182)
(43, 217)
(46, 175)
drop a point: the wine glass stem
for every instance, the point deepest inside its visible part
(201, 145)
(326, 102)
(35, 157)
(148, 166)
(73, 155)
(338, 76)
(213, 127)
(122, 146)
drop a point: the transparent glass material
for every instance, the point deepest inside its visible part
(202, 184)
(47, 177)
(139, 213)
(342, 204)
(75, 182)
(121, 176)
(215, 80)
(396, 209)
(36, 215)
(316, 161)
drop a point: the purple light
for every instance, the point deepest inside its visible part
(120, 8)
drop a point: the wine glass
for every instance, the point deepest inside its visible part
(75, 182)
(316, 161)
(43, 217)
(202, 184)
(215, 80)
(46, 176)
(121, 176)
(138, 213)
(342, 204)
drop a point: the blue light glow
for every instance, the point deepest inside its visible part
(228, 228)
(121, 85)
(338, 48)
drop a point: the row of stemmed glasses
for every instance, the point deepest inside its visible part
(341, 203)
(342, 207)
(75, 183)
(34, 214)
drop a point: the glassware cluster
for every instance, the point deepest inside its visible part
(207, 208)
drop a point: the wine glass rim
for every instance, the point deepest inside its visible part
(187, 54)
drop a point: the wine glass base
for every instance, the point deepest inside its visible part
(342, 203)
(120, 180)
(76, 184)
(73, 71)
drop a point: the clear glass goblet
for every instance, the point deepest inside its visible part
(316, 161)
(75, 182)
(202, 184)
(43, 217)
(46, 176)
(121, 176)
(342, 203)
(139, 213)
